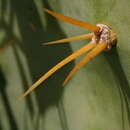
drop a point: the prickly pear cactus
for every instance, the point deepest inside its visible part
(97, 97)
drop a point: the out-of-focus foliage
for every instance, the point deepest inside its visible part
(97, 98)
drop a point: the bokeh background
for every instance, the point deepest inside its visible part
(97, 97)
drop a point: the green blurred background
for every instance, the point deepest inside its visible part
(97, 97)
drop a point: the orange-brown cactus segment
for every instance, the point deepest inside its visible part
(73, 21)
(58, 66)
(102, 39)
(98, 49)
(76, 38)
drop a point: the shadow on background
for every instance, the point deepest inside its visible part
(124, 87)
(6, 104)
(40, 58)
